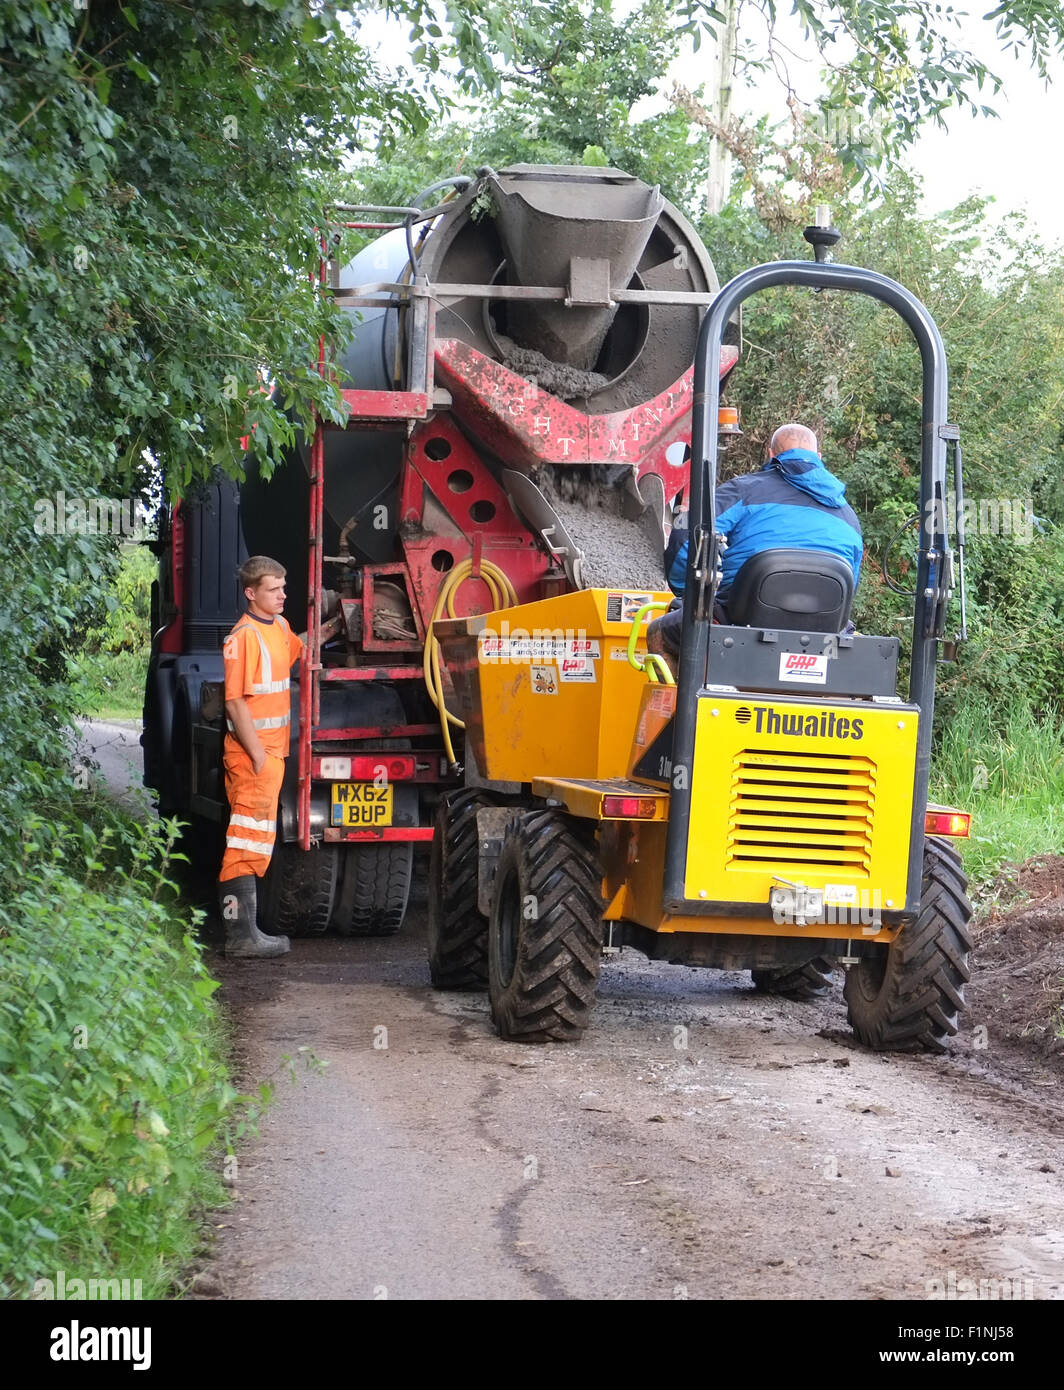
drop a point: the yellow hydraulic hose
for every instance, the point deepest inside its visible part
(656, 667)
(503, 595)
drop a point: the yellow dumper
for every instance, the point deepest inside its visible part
(764, 809)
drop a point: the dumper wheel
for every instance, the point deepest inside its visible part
(908, 997)
(375, 888)
(295, 896)
(457, 929)
(545, 929)
(802, 983)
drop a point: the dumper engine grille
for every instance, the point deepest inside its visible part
(802, 808)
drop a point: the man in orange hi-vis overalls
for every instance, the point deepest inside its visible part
(259, 654)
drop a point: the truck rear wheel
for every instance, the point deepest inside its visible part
(457, 929)
(297, 892)
(375, 888)
(200, 844)
(545, 929)
(908, 997)
(802, 983)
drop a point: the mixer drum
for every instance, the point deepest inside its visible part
(523, 226)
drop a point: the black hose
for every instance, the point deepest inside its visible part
(890, 583)
(458, 181)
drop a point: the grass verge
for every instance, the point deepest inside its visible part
(109, 685)
(1007, 768)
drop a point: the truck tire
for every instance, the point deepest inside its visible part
(545, 929)
(801, 983)
(908, 998)
(457, 929)
(296, 894)
(201, 844)
(375, 888)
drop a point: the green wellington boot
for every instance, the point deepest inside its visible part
(237, 898)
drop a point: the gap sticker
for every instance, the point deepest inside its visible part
(577, 668)
(805, 667)
(510, 649)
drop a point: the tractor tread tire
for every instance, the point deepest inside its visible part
(458, 930)
(375, 889)
(558, 955)
(801, 983)
(915, 1006)
(297, 894)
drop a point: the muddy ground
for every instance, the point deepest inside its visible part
(703, 1141)
(1017, 990)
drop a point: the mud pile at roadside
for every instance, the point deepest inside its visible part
(1017, 986)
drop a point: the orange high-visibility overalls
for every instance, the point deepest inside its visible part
(258, 657)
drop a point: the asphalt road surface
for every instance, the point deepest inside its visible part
(703, 1141)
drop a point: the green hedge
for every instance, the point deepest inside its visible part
(114, 1100)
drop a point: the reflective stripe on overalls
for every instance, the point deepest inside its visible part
(267, 685)
(253, 797)
(252, 829)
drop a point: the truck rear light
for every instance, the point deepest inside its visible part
(630, 807)
(369, 767)
(373, 767)
(947, 823)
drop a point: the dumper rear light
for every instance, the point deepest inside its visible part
(629, 807)
(947, 823)
(369, 767)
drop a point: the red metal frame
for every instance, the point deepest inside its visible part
(370, 575)
(453, 509)
(334, 835)
(373, 673)
(173, 638)
(309, 690)
(430, 774)
(386, 405)
(381, 731)
(526, 426)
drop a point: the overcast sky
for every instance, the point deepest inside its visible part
(1010, 158)
(1015, 158)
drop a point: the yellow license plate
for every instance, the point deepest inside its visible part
(361, 804)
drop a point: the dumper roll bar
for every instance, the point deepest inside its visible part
(934, 568)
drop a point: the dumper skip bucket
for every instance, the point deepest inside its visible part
(546, 689)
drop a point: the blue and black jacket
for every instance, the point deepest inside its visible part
(792, 502)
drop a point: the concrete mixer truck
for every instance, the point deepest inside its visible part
(518, 389)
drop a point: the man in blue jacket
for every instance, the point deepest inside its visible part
(791, 502)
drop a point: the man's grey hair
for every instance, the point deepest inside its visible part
(793, 436)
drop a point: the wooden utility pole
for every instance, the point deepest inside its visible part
(719, 98)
